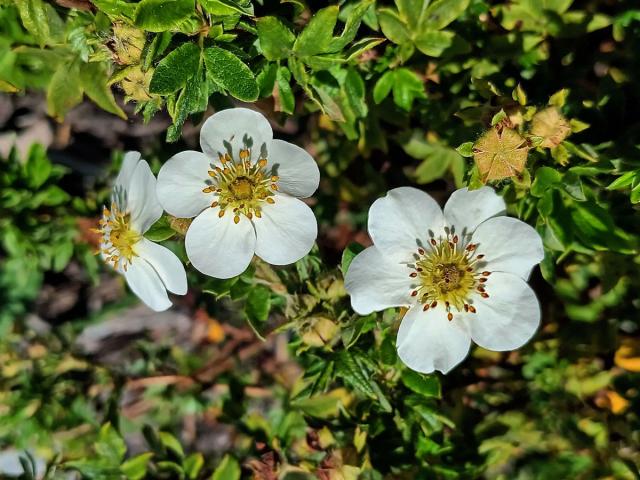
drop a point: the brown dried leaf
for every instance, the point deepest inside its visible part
(500, 154)
(550, 125)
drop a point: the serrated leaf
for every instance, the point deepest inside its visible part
(317, 35)
(276, 40)
(351, 27)
(64, 91)
(161, 15)
(175, 69)
(228, 71)
(94, 81)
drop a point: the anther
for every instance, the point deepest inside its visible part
(214, 204)
(262, 162)
(221, 213)
(425, 308)
(482, 280)
(486, 274)
(433, 242)
(434, 304)
(480, 257)
(274, 186)
(271, 200)
(236, 219)
(472, 309)
(484, 295)
(466, 307)
(421, 251)
(413, 275)
(449, 316)
(211, 173)
(455, 239)
(414, 293)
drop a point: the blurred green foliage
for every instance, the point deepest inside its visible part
(537, 98)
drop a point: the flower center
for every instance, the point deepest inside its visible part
(118, 238)
(447, 272)
(241, 185)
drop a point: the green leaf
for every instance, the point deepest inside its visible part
(351, 26)
(175, 69)
(136, 468)
(41, 20)
(383, 86)
(161, 15)
(193, 464)
(545, 179)
(434, 43)
(64, 91)
(425, 385)
(441, 13)
(393, 26)
(160, 231)
(228, 469)
(596, 228)
(317, 35)
(93, 78)
(230, 72)
(348, 255)
(355, 90)
(407, 86)
(258, 304)
(172, 443)
(465, 149)
(276, 40)
(287, 101)
(110, 445)
(38, 167)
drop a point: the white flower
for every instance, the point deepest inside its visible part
(244, 191)
(149, 269)
(461, 273)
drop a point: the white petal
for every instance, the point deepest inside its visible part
(427, 341)
(232, 125)
(142, 200)
(401, 221)
(298, 171)
(466, 209)
(129, 163)
(166, 264)
(509, 245)
(286, 232)
(180, 183)
(375, 283)
(508, 318)
(217, 246)
(146, 284)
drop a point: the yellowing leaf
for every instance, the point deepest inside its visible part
(551, 126)
(617, 402)
(500, 154)
(628, 357)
